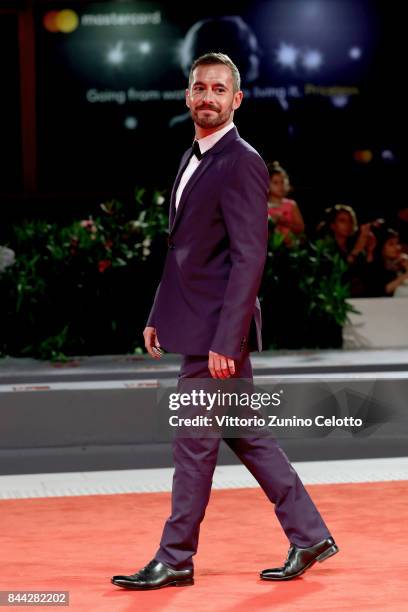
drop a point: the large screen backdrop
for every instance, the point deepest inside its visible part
(112, 76)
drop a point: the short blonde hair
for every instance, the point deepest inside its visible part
(217, 58)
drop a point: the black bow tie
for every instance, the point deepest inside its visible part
(196, 150)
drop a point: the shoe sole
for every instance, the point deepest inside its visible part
(329, 552)
(177, 583)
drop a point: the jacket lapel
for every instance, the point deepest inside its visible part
(183, 164)
(205, 163)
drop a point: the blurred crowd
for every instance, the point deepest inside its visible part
(376, 252)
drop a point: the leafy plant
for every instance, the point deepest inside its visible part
(86, 287)
(71, 288)
(304, 292)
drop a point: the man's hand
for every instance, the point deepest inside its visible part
(152, 343)
(220, 366)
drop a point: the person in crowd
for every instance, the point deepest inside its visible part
(282, 210)
(355, 244)
(387, 274)
(401, 225)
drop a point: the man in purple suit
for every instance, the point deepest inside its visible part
(206, 308)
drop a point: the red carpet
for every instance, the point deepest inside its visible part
(77, 543)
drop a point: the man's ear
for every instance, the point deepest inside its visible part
(188, 98)
(237, 99)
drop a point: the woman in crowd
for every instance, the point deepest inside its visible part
(353, 243)
(282, 210)
(388, 272)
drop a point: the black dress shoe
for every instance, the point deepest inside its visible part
(155, 575)
(300, 559)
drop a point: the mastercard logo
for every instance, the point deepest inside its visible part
(65, 21)
(364, 156)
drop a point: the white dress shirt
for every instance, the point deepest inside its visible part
(205, 143)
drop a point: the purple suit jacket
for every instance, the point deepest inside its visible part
(207, 297)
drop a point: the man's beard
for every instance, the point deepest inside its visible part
(213, 120)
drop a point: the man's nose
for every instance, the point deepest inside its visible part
(208, 95)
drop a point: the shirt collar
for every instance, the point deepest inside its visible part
(209, 141)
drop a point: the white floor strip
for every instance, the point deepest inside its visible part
(155, 383)
(225, 477)
(85, 385)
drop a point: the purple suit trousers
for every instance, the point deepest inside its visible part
(195, 460)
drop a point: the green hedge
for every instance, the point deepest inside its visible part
(304, 294)
(87, 287)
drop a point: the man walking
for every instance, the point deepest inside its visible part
(206, 308)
